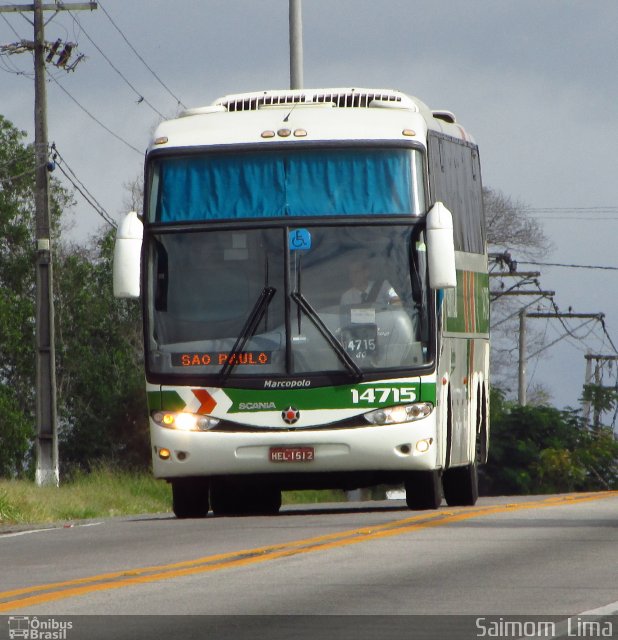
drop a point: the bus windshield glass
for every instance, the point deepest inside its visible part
(295, 182)
(283, 300)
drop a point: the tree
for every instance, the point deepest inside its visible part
(134, 200)
(100, 363)
(16, 430)
(512, 233)
(510, 226)
(546, 450)
(17, 283)
(17, 298)
(101, 396)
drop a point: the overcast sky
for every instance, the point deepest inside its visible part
(534, 81)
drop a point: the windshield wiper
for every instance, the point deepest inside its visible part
(254, 319)
(341, 353)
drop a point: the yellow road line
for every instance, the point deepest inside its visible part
(39, 594)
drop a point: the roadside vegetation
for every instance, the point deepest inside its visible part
(96, 494)
(104, 493)
(541, 449)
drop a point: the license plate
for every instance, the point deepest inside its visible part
(292, 454)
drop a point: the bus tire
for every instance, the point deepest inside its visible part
(225, 498)
(235, 498)
(423, 490)
(190, 497)
(461, 486)
(267, 501)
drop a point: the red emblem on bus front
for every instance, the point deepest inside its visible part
(208, 403)
(290, 415)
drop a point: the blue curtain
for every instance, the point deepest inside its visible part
(297, 183)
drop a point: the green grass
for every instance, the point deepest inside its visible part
(101, 493)
(105, 493)
(313, 497)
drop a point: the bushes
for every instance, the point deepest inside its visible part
(546, 450)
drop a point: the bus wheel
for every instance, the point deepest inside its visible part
(266, 501)
(235, 498)
(190, 497)
(423, 490)
(225, 498)
(461, 486)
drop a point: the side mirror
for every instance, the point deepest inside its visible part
(127, 257)
(440, 248)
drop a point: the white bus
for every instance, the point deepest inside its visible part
(313, 271)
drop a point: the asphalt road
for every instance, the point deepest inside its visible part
(534, 558)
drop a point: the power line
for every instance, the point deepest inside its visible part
(15, 70)
(570, 266)
(551, 344)
(584, 214)
(608, 336)
(513, 315)
(85, 196)
(612, 218)
(178, 100)
(601, 319)
(570, 332)
(115, 68)
(10, 26)
(90, 115)
(10, 67)
(579, 341)
(601, 209)
(81, 187)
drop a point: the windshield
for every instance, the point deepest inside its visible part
(282, 300)
(295, 182)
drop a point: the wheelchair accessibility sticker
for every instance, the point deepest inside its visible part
(299, 239)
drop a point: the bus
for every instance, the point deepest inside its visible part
(312, 266)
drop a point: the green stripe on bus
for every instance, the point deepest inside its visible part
(167, 400)
(328, 398)
(467, 306)
(322, 398)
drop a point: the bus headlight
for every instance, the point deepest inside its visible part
(184, 421)
(400, 413)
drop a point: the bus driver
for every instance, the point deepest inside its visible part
(364, 290)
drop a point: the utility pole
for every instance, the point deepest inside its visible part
(521, 386)
(47, 472)
(525, 278)
(522, 341)
(296, 45)
(587, 381)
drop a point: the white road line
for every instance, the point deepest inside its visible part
(608, 610)
(29, 531)
(571, 626)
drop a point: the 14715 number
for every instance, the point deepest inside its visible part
(382, 395)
